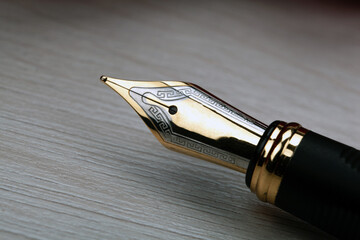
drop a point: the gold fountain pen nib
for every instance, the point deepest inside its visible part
(187, 119)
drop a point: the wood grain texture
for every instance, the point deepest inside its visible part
(77, 163)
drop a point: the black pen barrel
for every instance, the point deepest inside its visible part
(319, 182)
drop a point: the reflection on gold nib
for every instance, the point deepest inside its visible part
(187, 119)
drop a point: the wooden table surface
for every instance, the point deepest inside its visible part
(76, 162)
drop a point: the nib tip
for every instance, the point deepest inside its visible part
(103, 78)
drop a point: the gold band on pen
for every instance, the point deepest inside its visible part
(274, 158)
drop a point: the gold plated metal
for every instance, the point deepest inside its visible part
(187, 119)
(275, 156)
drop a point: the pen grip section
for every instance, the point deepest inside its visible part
(321, 185)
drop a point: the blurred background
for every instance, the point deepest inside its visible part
(61, 177)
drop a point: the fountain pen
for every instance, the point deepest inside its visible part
(306, 174)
